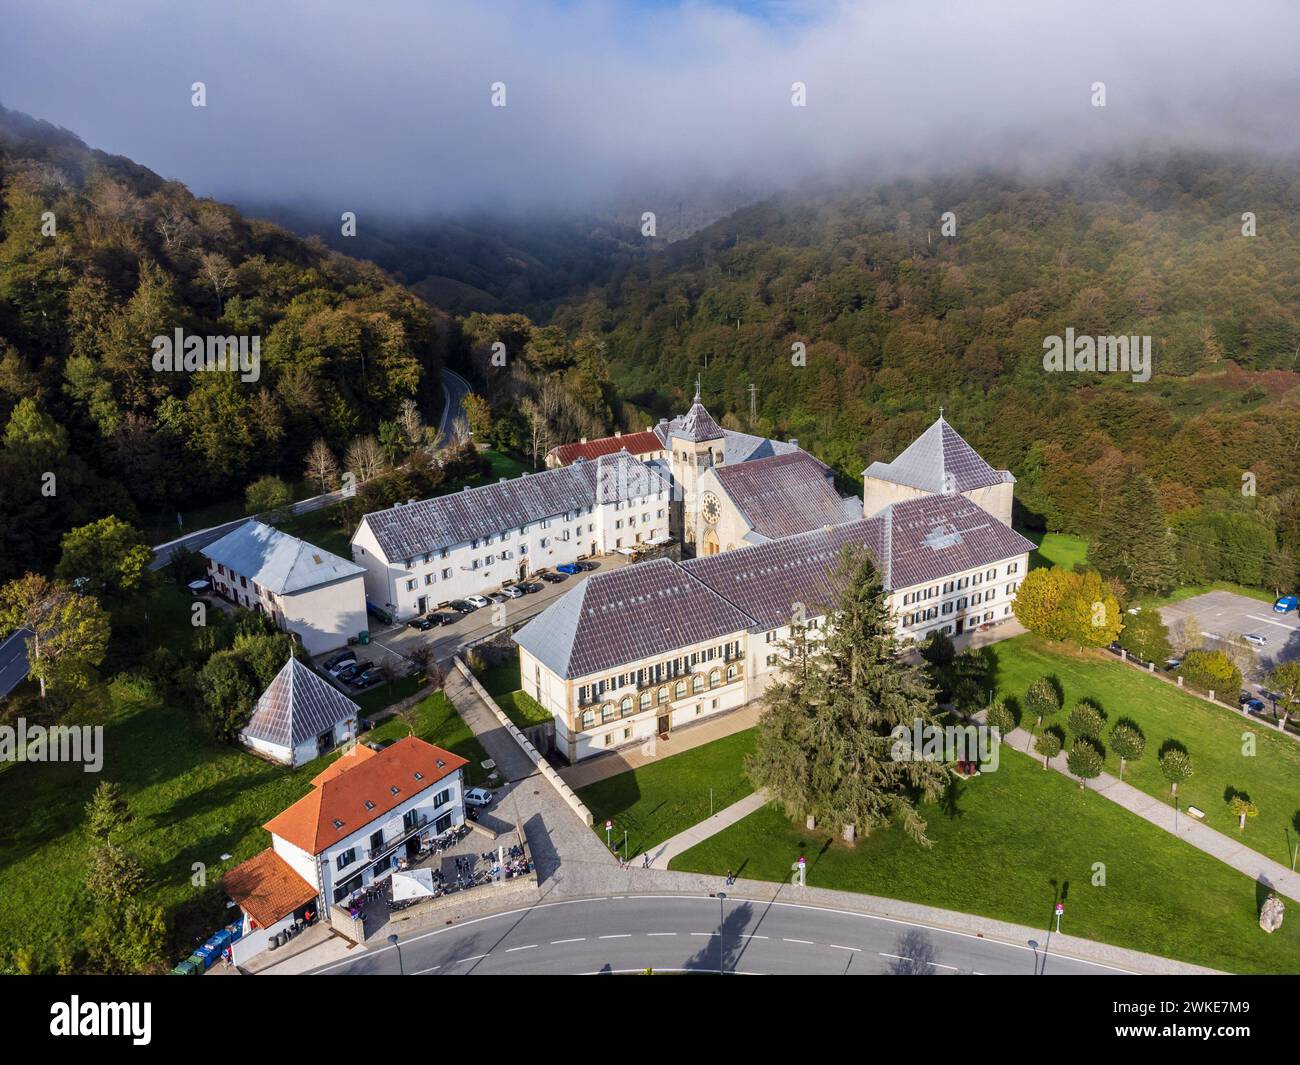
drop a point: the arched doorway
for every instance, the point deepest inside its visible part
(710, 542)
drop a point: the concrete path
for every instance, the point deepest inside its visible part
(603, 766)
(666, 851)
(1159, 813)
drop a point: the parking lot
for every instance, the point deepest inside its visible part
(1224, 614)
(394, 643)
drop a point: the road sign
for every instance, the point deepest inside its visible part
(609, 825)
(1060, 908)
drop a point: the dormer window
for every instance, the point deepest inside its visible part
(369, 805)
(395, 790)
(441, 764)
(337, 823)
(419, 775)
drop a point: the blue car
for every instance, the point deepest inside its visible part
(1285, 605)
(568, 567)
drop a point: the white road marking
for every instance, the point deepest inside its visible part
(855, 950)
(805, 942)
(621, 935)
(531, 946)
(432, 968)
(661, 933)
(938, 966)
(748, 935)
(477, 957)
(557, 942)
(896, 957)
(1270, 621)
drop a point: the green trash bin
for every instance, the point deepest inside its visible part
(363, 638)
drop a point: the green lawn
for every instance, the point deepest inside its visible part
(1006, 845)
(1057, 549)
(501, 679)
(373, 700)
(659, 800)
(437, 721)
(193, 801)
(321, 528)
(1212, 735)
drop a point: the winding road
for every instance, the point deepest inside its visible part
(675, 933)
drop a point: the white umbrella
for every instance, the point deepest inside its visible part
(413, 884)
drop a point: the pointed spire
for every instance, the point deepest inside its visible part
(697, 388)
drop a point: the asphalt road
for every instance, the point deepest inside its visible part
(1221, 614)
(676, 933)
(455, 388)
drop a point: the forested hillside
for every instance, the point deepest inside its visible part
(899, 319)
(97, 257)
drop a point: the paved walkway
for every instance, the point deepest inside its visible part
(1159, 813)
(602, 766)
(725, 818)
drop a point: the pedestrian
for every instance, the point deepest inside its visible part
(645, 861)
(730, 879)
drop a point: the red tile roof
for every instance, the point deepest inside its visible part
(337, 806)
(641, 443)
(266, 888)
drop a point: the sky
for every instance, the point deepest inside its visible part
(388, 103)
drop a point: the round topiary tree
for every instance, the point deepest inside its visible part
(1085, 760)
(1176, 765)
(1127, 742)
(1041, 700)
(1000, 717)
(1086, 719)
(1048, 744)
(1243, 808)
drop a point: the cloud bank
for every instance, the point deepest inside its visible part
(389, 104)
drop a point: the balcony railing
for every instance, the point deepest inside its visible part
(408, 830)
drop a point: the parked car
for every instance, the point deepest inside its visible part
(496, 597)
(439, 618)
(343, 667)
(1255, 706)
(423, 624)
(1255, 639)
(332, 663)
(553, 578)
(376, 612)
(460, 606)
(349, 673)
(476, 601)
(584, 566)
(512, 591)
(529, 587)
(478, 797)
(1285, 605)
(366, 678)
(1173, 663)
(568, 567)
(200, 587)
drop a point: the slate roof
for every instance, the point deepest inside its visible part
(696, 425)
(767, 581)
(745, 447)
(444, 521)
(653, 608)
(783, 495)
(634, 612)
(298, 705)
(936, 536)
(266, 888)
(13, 660)
(636, 443)
(340, 805)
(939, 461)
(278, 561)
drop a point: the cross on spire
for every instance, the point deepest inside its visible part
(697, 388)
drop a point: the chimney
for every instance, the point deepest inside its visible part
(794, 442)
(618, 432)
(583, 440)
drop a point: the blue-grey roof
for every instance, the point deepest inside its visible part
(278, 561)
(298, 706)
(445, 521)
(630, 613)
(782, 495)
(939, 461)
(653, 608)
(13, 660)
(745, 447)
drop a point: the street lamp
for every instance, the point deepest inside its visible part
(1033, 945)
(393, 940)
(722, 901)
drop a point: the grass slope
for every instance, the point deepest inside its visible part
(1215, 738)
(659, 800)
(1006, 845)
